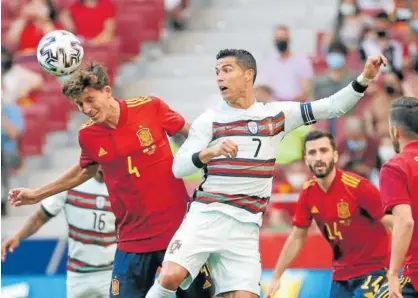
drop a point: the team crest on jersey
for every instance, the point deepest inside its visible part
(253, 127)
(270, 126)
(416, 158)
(100, 202)
(175, 245)
(343, 210)
(115, 286)
(145, 138)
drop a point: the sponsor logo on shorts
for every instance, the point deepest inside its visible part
(115, 286)
(175, 245)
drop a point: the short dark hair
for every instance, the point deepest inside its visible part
(382, 15)
(404, 112)
(244, 59)
(338, 47)
(316, 135)
(93, 76)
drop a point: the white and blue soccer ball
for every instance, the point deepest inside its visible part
(60, 53)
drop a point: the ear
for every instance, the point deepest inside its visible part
(108, 90)
(336, 156)
(396, 132)
(249, 75)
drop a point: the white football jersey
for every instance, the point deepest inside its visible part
(92, 236)
(241, 186)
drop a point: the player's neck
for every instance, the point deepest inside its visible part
(114, 115)
(325, 183)
(243, 102)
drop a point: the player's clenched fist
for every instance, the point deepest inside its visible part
(8, 246)
(23, 196)
(226, 148)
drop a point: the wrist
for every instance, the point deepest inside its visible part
(392, 273)
(363, 80)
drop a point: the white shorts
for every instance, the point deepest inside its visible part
(230, 247)
(88, 285)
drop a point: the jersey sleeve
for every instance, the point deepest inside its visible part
(171, 121)
(393, 187)
(307, 113)
(303, 216)
(53, 205)
(369, 199)
(200, 135)
(85, 160)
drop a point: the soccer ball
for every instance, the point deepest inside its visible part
(60, 53)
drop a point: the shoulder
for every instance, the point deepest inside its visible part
(394, 165)
(309, 184)
(205, 119)
(88, 124)
(140, 101)
(351, 180)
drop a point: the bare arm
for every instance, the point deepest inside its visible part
(403, 226)
(185, 130)
(14, 32)
(30, 227)
(387, 221)
(108, 31)
(290, 251)
(72, 178)
(306, 85)
(67, 21)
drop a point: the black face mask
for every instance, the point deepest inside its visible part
(390, 89)
(381, 33)
(282, 45)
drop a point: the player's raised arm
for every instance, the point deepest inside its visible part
(336, 105)
(70, 179)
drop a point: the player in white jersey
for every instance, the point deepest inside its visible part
(235, 143)
(91, 238)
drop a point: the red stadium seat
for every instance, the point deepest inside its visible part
(59, 106)
(130, 43)
(33, 139)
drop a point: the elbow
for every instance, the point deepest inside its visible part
(405, 223)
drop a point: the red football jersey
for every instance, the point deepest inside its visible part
(348, 216)
(148, 201)
(399, 185)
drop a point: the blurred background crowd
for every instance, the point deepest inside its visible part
(307, 50)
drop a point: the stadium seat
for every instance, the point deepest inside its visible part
(130, 44)
(33, 139)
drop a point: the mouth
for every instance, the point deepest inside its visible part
(223, 88)
(94, 116)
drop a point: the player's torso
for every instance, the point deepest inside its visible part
(241, 186)
(353, 234)
(409, 158)
(92, 236)
(257, 132)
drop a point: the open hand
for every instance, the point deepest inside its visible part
(8, 246)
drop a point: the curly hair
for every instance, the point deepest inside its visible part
(94, 76)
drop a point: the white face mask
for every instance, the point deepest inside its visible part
(386, 152)
(347, 9)
(296, 179)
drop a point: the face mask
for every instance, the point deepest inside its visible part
(356, 145)
(335, 60)
(347, 9)
(282, 45)
(390, 89)
(414, 25)
(403, 14)
(386, 152)
(381, 33)
(296, 180)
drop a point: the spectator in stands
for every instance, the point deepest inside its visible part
(336, 77)
(263, 93)
(358, 152)
(92, 20)
(11, 129)
(289, 75)
(402, 13)
(375, 5)
(378, 41)
(351, 24)
(18, 82)
(176, 12)
(410, 46)
(37, 18)
(376, 113)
